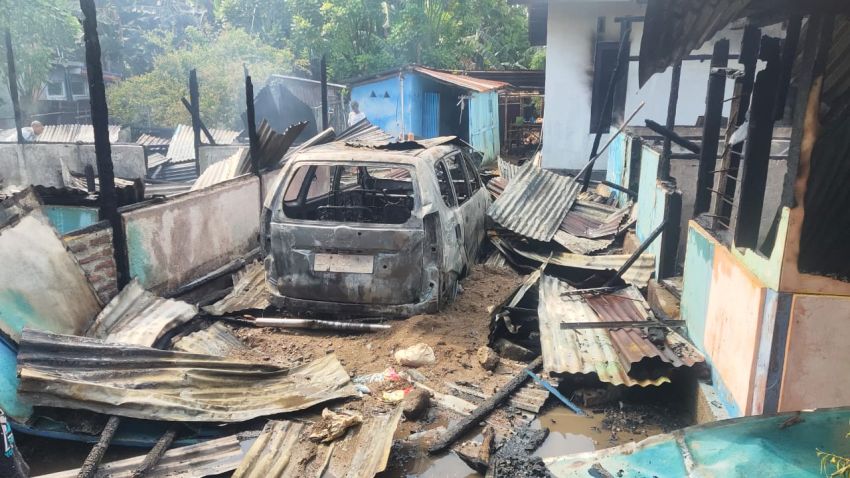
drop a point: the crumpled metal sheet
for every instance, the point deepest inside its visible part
(73, 133)
(639, 273)
(208, 458)
(140, 382)
(271, 455)
(609, 353)
(508, 170)
(249, 293)
(216, 340)
(222, 170)
(468, 82)
(361, 453)
(535, 202)
(580, 223)
(581, 245)
(146, 139)
(136, 316)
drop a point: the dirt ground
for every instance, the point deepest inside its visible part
(454, 333)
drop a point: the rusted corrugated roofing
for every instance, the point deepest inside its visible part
(182, 145)
(467, 82)
(535, 202)
(216, 340)
(283, 447)
(140, 382)
(608, 353)
(249, 292)
(581, 245)
(585, 225)
(151, 140)
(212, 457)
(135, 316)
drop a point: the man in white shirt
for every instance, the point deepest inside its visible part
(355, 115)
(32, 132)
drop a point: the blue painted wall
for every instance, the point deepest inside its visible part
(651, 202)
(423, 97)
(70, 218)
(699, 261)
(617, 166)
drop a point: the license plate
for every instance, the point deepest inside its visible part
(357, 264)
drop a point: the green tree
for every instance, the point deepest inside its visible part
(154, 97)
(268, 20)
(44, 32)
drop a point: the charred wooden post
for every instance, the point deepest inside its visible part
(622, 58)
(324, 78)
(204, 129)
(194, 99)
(13, 84)
(89, 468)
(90, 185)
(752, 174)
(103, 151)
(711, 126)
(668, 260)
(672, 103)
(637, 253)
(726, 182)
(155, 454)
(252, 126)
(789, 55)
(453, 433)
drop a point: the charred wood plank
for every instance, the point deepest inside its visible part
(711, 126)
(89, 468)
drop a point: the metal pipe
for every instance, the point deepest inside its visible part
(640, 250)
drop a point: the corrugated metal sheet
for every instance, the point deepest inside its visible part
(497, 186)
(638, 274)
(222, 170)
(151, 140)
(212, 457)
(74, 133)
(182, 145)
(610, 354)
(484, 124)
(273, 146)
(507, 169)
(135, 316)
(581, 245)
(176, 172)
(586, 225)
(249, 292)
(164, 188)
(283, 446)
(467, 82)
(216, 340)
(156, 159)
(366, 132)
(271, 455)
(140, 382)
(535, 202)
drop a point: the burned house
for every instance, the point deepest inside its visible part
(765, 292)
(426, 103)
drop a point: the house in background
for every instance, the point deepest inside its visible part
(582, 39)
(64, 98)
(426, 103)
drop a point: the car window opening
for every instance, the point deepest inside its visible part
(350, 193)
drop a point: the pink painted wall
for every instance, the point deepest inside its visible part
(733, 328)
(817, 357)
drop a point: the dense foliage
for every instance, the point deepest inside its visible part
(154, 43)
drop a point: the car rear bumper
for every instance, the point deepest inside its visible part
(355, 310)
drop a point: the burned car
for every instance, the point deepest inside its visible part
(359, 231)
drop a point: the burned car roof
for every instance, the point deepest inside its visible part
(407, 152)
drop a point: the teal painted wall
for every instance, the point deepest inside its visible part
(651, 202)
(484, 124)
(70, 218)
(699, 260)
(617, 166)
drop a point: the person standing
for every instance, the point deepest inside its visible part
(355, 115)
(32, 132)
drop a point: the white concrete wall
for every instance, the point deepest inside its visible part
(192, 234)
(569, 80)
(210, 154)
(42, 164)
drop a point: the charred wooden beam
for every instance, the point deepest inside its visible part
(194, 99)
(672, 104)
(252, 127)
(92, 462)
(753, 170)
(103, 150)
(13, 85)
(203, 126)
(637, 253)
(711, 126)
(789, 56)
(671, 135)
(155, 454)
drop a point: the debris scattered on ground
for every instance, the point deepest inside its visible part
(416, 356)
(512, 351)
(488, 358)
(637, 419)
(416, 403)
(515, 458)
(334, 425)
(477, 455)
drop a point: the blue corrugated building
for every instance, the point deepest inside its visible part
(428, 103)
